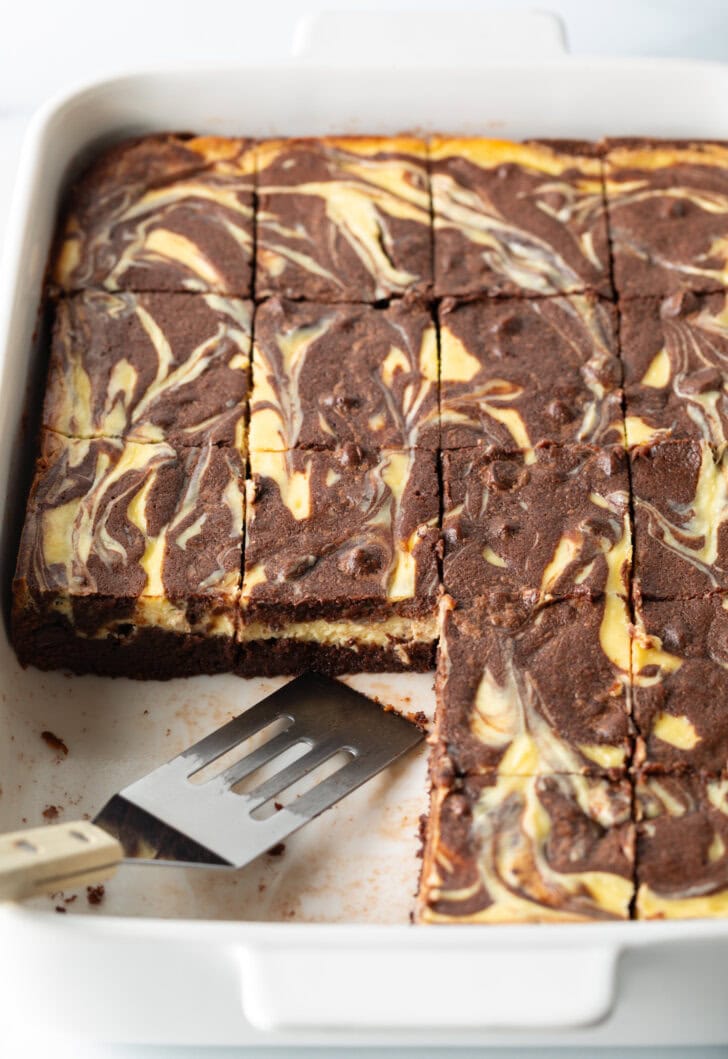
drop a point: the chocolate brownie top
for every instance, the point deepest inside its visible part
(343, 219)
(328, 375)
(682, 846)
(150, 367)
(681, 507)
(535, 692)
(162, 213)
(554, 527)
(680, 665)
(668, 213)
(518, 217)
(119, 519)
(515, 372)
(675, 353)
(340, 534)
(527, 849)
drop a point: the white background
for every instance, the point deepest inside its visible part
(47, 46)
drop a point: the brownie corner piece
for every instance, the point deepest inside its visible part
(514, 218)
(682, 846)
(330, 375)
(129, 562)
(343, 218)
(150, 367)
(528, 849)
(518, 372)
(667, 215)
(340, 561)
(161, 212)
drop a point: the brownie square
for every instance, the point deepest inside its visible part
(668, 216)
(150, 367)
(681, 505)
(546, 527)
(129, 563)
(515, 372)
(340, 561)
(325, 376)
(682, 843)
(162, 213)
(675, 353)
(517, 849)
(513, 218)
(534, 692)
(680, 679)
(343, 218)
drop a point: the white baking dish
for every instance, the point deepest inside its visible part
(314, 946)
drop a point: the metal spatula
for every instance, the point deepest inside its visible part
(167, 816)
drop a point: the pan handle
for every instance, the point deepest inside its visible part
(58, 857)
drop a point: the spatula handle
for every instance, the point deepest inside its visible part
(58, 857)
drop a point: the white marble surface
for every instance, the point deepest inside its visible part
(47, 46)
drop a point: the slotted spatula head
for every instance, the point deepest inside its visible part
(168, 816)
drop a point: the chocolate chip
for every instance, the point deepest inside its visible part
(503, 528)
(560, 412)
(610, 461)
(459, 805)
(504, 474)
(681, 303)
(674, 635)
(673, 208)
(360, 560)
(453, 533)
(606, 372)
(703, 381)
(508, 325)
(296, 566)
(350, 455)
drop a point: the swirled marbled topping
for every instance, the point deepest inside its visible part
(514, 218)
(343, 219)
(517, 849)
(150, 367)
(340, 535)
(515, 372)
(328, 375)
(682, 846)
(668, 216)
(544, 528)
(535, 692)
(681, 519)
(162, 213)
(675, 354)
(119, 521)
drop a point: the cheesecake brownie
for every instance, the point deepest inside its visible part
(668, 215)
(680, 491)
(675, 354)
(328, 375)
(150, 367)
(534, 692)
(526, 849)
(515, 372)
(166, 212)
(340, 561)
(680, 678)
(129, 563)
(682, 846)
(343, 218)
(544, 527)
(518, 218)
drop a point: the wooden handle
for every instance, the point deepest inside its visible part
(59, 857)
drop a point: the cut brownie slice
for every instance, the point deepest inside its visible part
(534, 692)
(130, 558)
(680, 678)
(340, 564)
(682, 846)
(681, 511)
(515, 218)
(515, 849)
(675, 354)
(328, 375)
(343, 219)
(163, 212)
(668, 216)
(545, 529)
(515, 372)
(150, 367)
